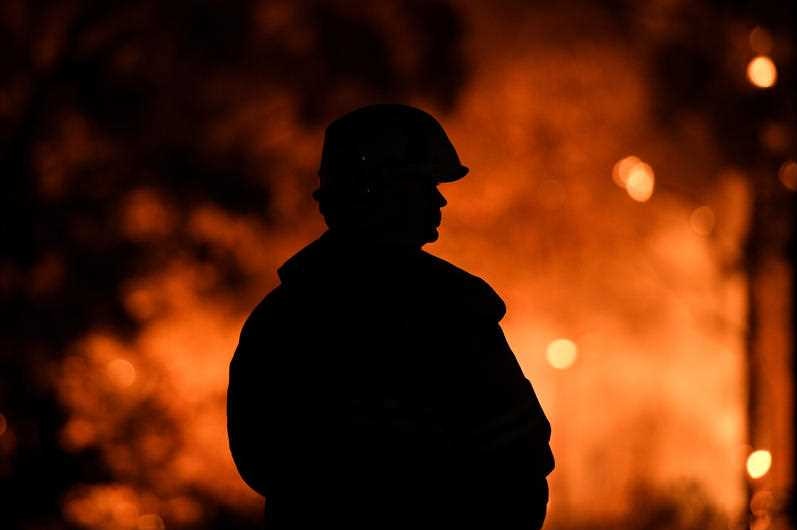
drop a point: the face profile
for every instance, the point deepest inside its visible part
(380, 170)
(406, 210)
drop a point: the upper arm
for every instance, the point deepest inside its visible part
(252, 419)
(508, 420)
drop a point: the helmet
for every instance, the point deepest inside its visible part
(385, 140)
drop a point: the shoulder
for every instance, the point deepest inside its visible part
(466, 288)
(263, 331)
(268, 313)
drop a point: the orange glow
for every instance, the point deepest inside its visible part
(77, 434)
(776, 137)
(121, 372)
(561, 353)
(762, 502)
(640, 182)
(761, 71)
(702, 220)
(635, 176)
(758, 463)
(184, 349)
(184, 510)
(762, 522)
(760, 40)
(145, 214)
(788, 175)
(3, 425)
(104, 506)
(150, 521)
(538, 219)
(140, 302)
(622, 170)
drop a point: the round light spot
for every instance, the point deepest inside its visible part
(623, 168)
(635, 176)
(761, 71)
(776, 137)
(760, 40)
(640, 182)
(561, 353)
(788, 175)
(702, 221)
(758, 463)
(121, 372)
(762, 502)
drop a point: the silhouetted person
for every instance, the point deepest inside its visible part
(374, 388)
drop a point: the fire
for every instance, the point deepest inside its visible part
(631, 280)
(658, 316)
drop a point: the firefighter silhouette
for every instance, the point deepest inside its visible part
(374, 388)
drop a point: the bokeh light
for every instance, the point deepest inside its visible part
(760, 40)
(561, 353)
(762, 72)
(702, 220)
(622, 169)
(759, 463)
(776, 137)
(635, 176)
(77, 434)
(640, 182)
(762, 502)
(3, 425)
(788, 175)
(121, 372)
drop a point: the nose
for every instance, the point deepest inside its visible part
(441, 200)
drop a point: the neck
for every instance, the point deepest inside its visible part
(382, 241)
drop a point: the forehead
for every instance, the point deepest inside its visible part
(413, 179)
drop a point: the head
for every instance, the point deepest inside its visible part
(380, 170)
(405, 211)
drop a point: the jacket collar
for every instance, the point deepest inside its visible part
(334, 255)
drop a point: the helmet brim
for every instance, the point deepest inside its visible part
(451, 176)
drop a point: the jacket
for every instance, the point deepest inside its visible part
(374, 388)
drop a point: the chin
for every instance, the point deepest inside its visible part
(431, 236)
